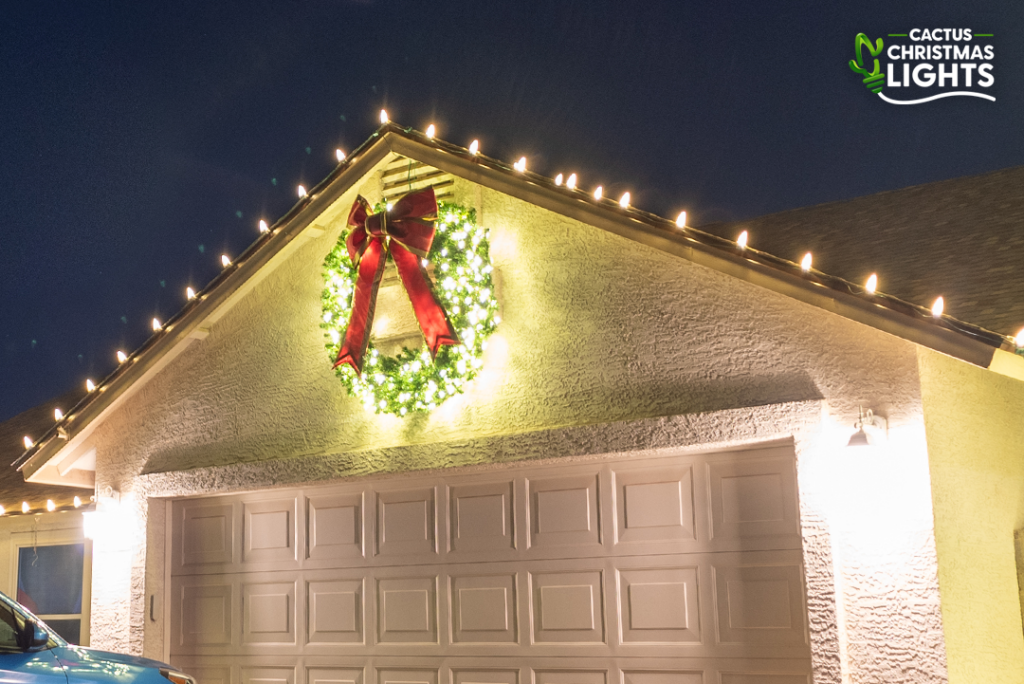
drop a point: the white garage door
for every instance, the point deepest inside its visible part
(677, 570)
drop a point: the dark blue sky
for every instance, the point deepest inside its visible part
(140, 140)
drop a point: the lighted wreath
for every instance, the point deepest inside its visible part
(412, 380)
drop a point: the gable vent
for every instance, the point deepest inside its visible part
(403, 175)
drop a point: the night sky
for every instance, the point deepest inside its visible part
(140, 140)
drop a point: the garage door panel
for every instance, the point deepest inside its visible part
(204, 535)
(568, 607)
(663, 676)
(203, 613)
(564, 512)
(753, 498)
(334, 675)
(484, 676)
(482, 517)
(335, 525)
(336, 612)
(269, 530)
(268, 613)
(564, 676)
(268, 675)
(659, 605)
(407, 610)
(484, 609)
(401, 675)
(654, 505)
(406, 523)
(759, 600)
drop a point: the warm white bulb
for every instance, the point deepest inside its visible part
(741, 241)
(624, 200)
(27, 441)
(50, 506)
(805, 263)
(558, 179)
(121, 356)
(156, 324)
(89, 385)
(78, 502)
(58, 415)
(872, 284)
(571, 183)
(474, 147)
(520, 165)
(1019, 340)
(681, 219)
(301, 190)
(937, 307)
(598, 192)
(431, 131)
(2, 510)
(339, 154)
(190, 293)
(224, 260)
(383, 116)
(24, 507)
(264, 228)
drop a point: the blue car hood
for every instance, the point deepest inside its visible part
(82, 653)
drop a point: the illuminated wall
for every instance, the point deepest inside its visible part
(975, 429)
(605, 344)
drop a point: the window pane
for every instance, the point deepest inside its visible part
(8, 630)
(69, 629)
(50, 579)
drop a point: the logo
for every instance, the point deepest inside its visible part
(924, 65)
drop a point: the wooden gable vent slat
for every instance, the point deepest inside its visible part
(403, 176)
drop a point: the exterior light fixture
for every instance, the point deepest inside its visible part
(870, 430)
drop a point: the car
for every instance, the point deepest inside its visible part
(32, 653)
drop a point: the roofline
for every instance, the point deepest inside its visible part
(884, 312)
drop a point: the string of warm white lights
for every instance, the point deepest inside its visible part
(50, 506)
(559, 182)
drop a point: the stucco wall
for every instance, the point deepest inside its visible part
(976, 447)
(597, 331)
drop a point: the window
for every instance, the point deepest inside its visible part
(51, 585)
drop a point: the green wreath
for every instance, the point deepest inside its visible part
(463, 284)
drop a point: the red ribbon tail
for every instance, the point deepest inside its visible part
(364, 301)
(434, 324)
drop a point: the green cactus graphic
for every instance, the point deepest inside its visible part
(874, 80)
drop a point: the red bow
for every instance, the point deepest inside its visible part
(406, 232)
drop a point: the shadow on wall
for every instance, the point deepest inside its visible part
(660, 398)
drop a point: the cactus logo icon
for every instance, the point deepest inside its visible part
(926, 64)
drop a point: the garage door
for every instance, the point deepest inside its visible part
(677, 570)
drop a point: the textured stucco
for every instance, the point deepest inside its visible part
(976, 448)
(604, 342)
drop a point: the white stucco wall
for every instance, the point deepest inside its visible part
(605, 345)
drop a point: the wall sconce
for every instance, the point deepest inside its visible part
(102, 523)
(871, 430)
